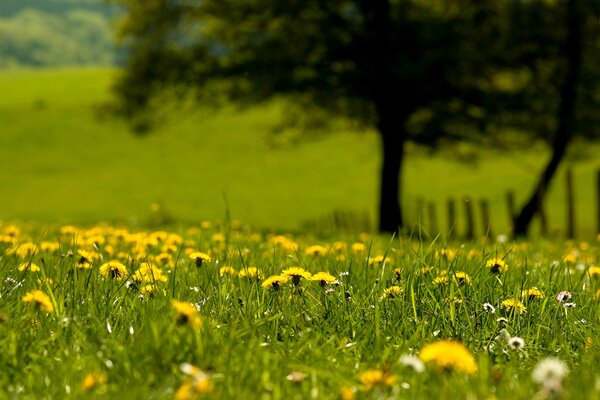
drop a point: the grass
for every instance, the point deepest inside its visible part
(64, 164)
(107, 335)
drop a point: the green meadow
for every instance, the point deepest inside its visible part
(64, 162)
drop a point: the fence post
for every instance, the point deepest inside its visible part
(485, 218)
(469, 219)
(570, 205)
(452, 213)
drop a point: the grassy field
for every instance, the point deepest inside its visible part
(64, 164)
(112, 312)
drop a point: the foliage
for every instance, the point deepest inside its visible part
(170, 326)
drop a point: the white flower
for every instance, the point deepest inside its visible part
(549, 370)
(516, 343)
(488, 308)
(569, 305)
(412, 362)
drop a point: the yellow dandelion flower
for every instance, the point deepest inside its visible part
(87, 256)
(425, 270)
(199, 258)
(570, 258)
(275, 282)
(347, 393)
(376, 377)
(448, 254)
(31, 267)
(149, 290)
(186, 314)
(449, 355)
(296, 273)
(337, 246)
(149, 273)
(5, 239)
(496, 265)
(323, 278)
(514, 305)
(594, 272)
(316, 250)
(393, 292)
(24, 250)
(50, 247)
(462, 278)
(358, 247)
(227, 270)
(397, 274)
(199, 382)
(93, 380)
(218, 238)
(441, 280)
(532, 294)
(39, 299)
(597, 294)
(114, 270)
(250, 273)
(45, 281)
(12, 230)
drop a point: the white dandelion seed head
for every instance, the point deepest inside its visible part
(549, 369)
(516, 343)
(412, 362)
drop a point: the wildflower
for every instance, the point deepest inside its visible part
(379, 260)
(87, 256)
(412, 362)
(323, 278)
(186, 314)
(275, 281)
(29, 266)
(93, 380)
(594, 272)
(50, 247)
(347, 393)
(488, 308)
(392, 292)
(198, 383)
(227, 270)
(149, 273)
(549, 369)
(449, 355)
(570, 305)
(462, 278)
(376, 377)
(516, 343)
(217, 238)
(316, 250)
(39, 299)
(496, 265)
(563, 296)
(250, 273)
(440, 280)
(296, 273)
(296, 376)
(532, 294)
(148, 290)
(512, 305)
(24, 250)
(199, 258)
(114, 270)
(425, 270)
(397, 274)
(358, 247)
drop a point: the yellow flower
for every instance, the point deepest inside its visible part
(250, 273)
(50, 247)
(275, 282)
(198, 383)
(462, 278)
(93, 380)
(296, 273)
(199, 258)
(594, 272)
(114, 270)
(449, 355)
(316, 250)
(186, 314)
(533, 293)
(29, 266)
(149, 273)
(23, 250)
(393, 292)
(227, 270)
(496, 265)
(440, 280)
(87, 256)
(376, 377)
(358, 247)
(397, 274)
(379, 260)
(149, 290)
(512, 305)
(39, 299)
(323, 278)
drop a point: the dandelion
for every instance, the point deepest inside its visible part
(358, 247)
(462, 278)
(199, 383)
(275, 282)
(549, 369)
(114, 270)
(412, 362)
(449, 355)
(513, 305)
(316, 250)
(397, 274)
(148, 290)
(92, 380)
(496, 265)
(186, 314)
(296, 273)
(31, 267)
(149, 273)
(250, 273)
(227, 270)
(488, 308)
(532, 294)
(198, 257)
(323, 278)
(376, 377)
(39, 299)
(347, 393)
(594, 272)
(516, 343)
(393, 292)
(379, 260)
(563, 296)
(440, 280)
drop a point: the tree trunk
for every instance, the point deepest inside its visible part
(390, 211)
(566, 119)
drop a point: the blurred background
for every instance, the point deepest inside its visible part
(160, 112)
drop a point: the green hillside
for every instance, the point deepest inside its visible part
(63, 164)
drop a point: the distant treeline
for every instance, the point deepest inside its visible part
(55, 32)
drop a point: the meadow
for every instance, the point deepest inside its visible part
(64, 162)
(229, 312)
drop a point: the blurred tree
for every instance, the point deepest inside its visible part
(415, 70)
